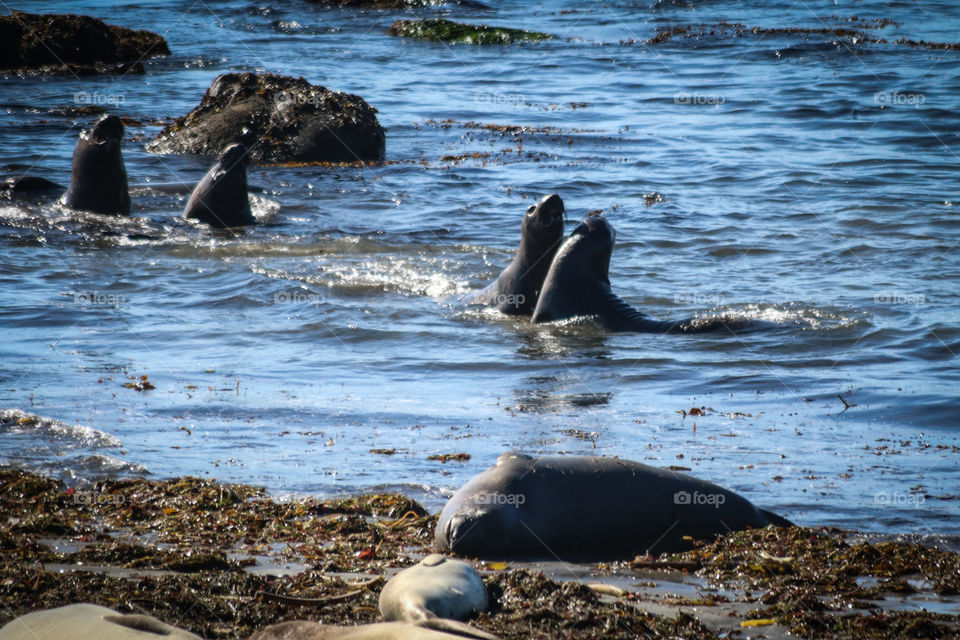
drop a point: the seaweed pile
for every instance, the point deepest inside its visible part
(224, 560)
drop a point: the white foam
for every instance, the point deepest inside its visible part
(18, 420)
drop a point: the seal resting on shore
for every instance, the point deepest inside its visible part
(587, 507)
(88, 622)
(578, 285)
(434, 589)
(516, 290)
(98, 179)
(302, 630)
(220, 198)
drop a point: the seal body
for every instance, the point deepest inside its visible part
(220, 199)
(435, 587)
(578, 285)
(517, 288)
(27, 184)
(88, 621)
(98, 179)
(303, 630)
(586, 507)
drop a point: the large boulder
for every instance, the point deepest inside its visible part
(73, 44)
(280, 119)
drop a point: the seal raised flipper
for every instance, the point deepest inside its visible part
(98, 179)
(220, 199)
(578, 285)
(516, 289)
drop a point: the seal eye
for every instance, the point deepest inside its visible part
(531, 209)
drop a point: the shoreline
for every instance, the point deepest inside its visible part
(224, 560)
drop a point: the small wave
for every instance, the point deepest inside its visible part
(417, 275)
(16, 420)
(798, 314)
(81, 471)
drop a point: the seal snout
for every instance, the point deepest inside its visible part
(109, 127)
(235, 154)
(550, 209)
(596, 225)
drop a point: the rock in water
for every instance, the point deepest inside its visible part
(280, 119)
(73, 44)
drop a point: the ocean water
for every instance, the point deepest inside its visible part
(804, 181)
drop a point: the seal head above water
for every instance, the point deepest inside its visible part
(98, 178)
(220, 199)
(516, 290)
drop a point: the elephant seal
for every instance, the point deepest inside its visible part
(86, 621)
(220, 199)
(516, 290)
(27, 184)
(302, 630)
(98, 179)
(433, 590)
(587, 507)
(578, 285)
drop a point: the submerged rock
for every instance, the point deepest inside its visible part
(399, 4)
(440, 30)
(73, 44)
(280, 119)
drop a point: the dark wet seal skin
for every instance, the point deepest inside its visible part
(98, 179)
(516, 290)
(578, 285)
(27, 184)
(587, 507)
(220, 199)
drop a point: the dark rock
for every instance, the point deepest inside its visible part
(280, 119)
(73, 44)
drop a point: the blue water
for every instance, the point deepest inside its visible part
(804, 183)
